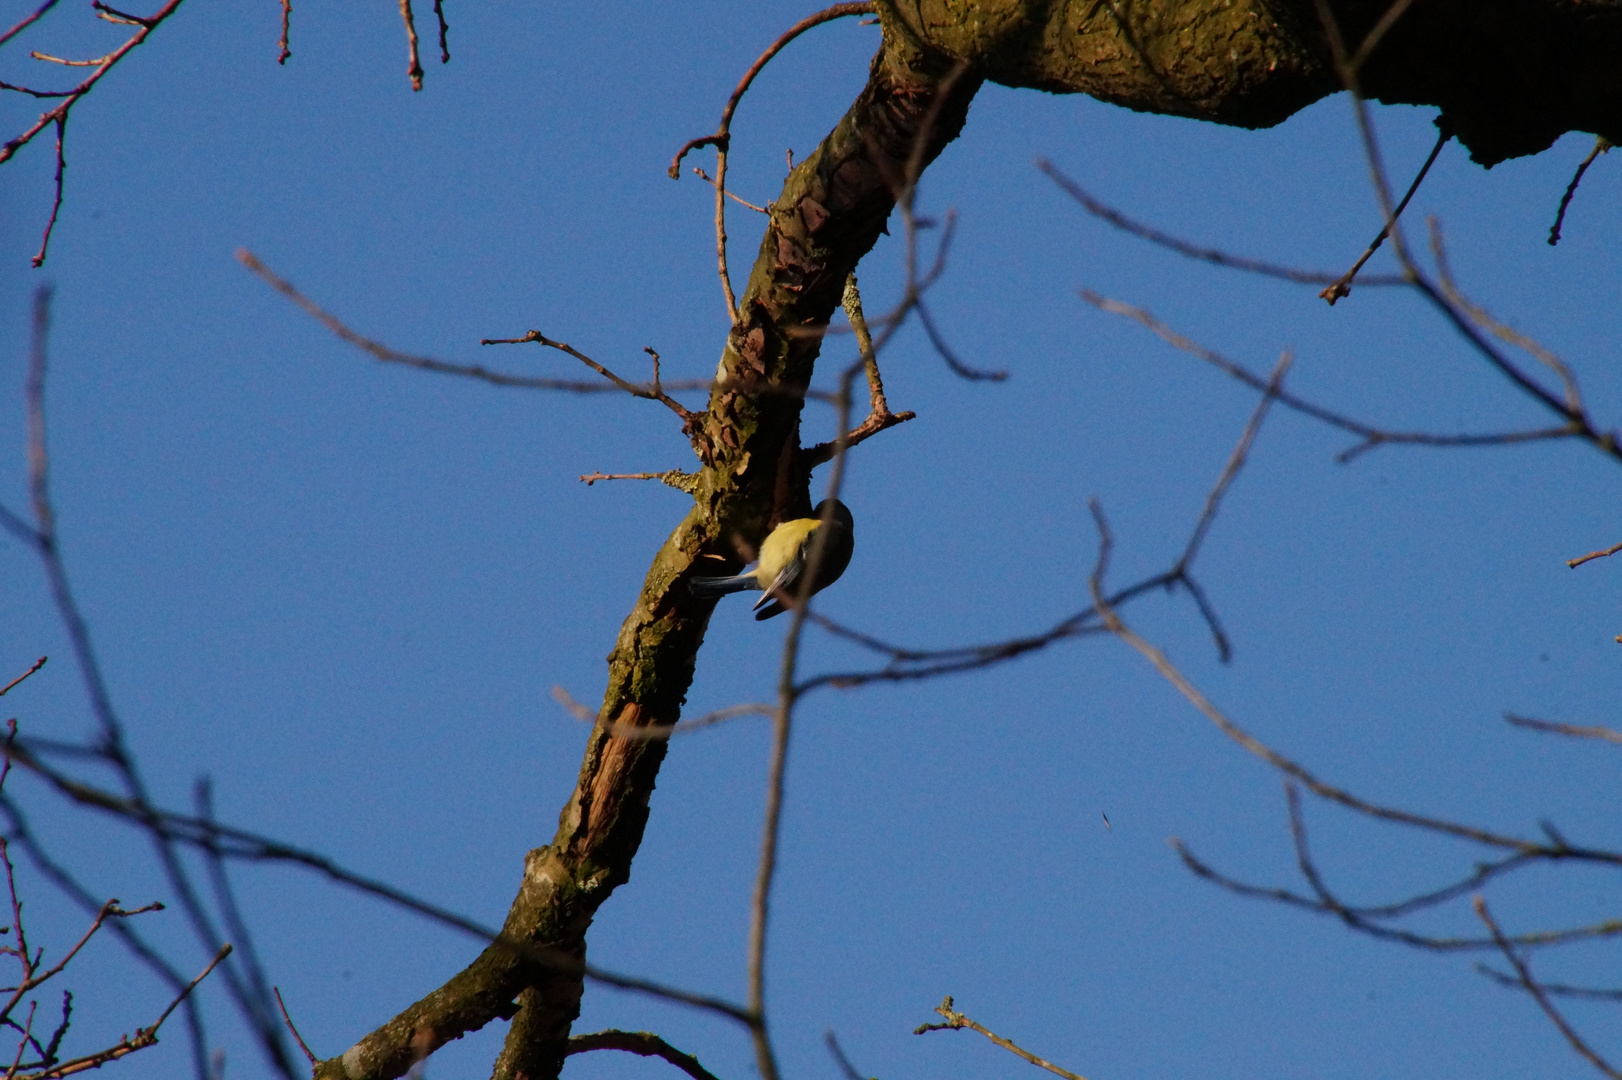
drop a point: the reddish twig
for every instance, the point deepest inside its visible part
(415, 70)
(56, 204)
(287, 18)
(72, 97)
(8, 687)
(27, 21)
(302, 1045)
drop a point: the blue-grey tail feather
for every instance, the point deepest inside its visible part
(721, 586)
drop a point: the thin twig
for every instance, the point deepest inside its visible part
(1530, 985)
(644, 1043)
(704, 176)
(8, 687)
(302, 1045)
(1329, 792)
(1496, 327)
(1213, 256)
(415, 70)
(1236, 462)
(283, 51)
(723, 133)
(1371, 437)
(240, 844)
(444, 32)
(1574, 730)
(1586, 993)
(1387, 21)
(681, 481)
(585, 715)
(957, 1021)
(838, 1052)
(145, 26)
(129, 1044)
(1342, 286)
(382, 352)
(56, 203)
(722, 138)
(1601, 145)
(28, 20)
(654, 393)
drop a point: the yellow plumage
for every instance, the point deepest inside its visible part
(784, 555)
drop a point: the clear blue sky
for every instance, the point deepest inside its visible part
(345, 591)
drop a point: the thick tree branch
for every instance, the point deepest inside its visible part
(1510, 76)
(832, 210)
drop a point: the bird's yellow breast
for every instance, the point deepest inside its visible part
(780, 548)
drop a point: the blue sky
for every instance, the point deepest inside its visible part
(345, 591)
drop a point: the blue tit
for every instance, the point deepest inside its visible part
(782, 561)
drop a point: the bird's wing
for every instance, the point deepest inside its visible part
(787, 578)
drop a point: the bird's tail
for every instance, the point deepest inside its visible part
(721, 586)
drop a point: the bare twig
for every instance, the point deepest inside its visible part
(1375, 34)
(283, 51)
(1496, 327)
(444, 32)
(382, 352)
(1213, 256)
(644, 1043)
(129, 1044)
(415, 70)
(723, 133)
(239, 844)
(681, 481)
(1579, 560)
(1530, 985)
(956, 1021)
(1587, 993)
(838, 1052)
(1342, 286)
(704, 176)
(1601, 145)
(1370, 436)
(879, 417)
(28, 20)
(1236, 462)
(722, 139)
(585, 715)
(10, 685)
(302, 1045)
(70, 98)
(653, 393)
(56, 203)
(1329, 792)
(1605, 733)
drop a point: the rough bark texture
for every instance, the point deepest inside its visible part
(1510, 75)
(833, 208)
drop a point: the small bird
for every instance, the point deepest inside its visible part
(783, 558)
